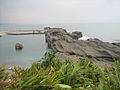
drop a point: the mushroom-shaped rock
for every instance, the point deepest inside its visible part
(47, 28)
(76, 35)
(18, 46)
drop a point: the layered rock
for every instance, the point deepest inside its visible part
(67, 45)
(117, 44)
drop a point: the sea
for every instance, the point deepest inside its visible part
(35, 45)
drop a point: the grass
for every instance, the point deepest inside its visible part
(51, 74)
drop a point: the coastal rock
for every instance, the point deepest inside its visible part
(117, 44)
(66, 46)
(47, 28)
(0, 36)
(76, 35)
(18, 46)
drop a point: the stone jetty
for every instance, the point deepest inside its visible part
(67, 45)
(21, 32)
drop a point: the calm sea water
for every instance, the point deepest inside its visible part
(35, 46)
(34, 49)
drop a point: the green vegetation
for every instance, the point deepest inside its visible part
(51, 74)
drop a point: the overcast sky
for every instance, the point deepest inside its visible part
(59, 11)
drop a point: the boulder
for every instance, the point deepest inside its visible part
(47, 28)
(18, 46)
(76, 35)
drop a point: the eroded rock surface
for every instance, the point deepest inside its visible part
(67, 45)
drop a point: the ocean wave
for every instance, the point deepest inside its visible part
(84, 38)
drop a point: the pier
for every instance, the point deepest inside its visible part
(22, 32)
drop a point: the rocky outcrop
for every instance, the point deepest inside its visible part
(117, 44)
(47, 28)
(67, 45)
(18, 46)
(76, 35)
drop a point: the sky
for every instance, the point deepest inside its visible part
(59, 11)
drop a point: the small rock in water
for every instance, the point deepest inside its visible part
(18, 46)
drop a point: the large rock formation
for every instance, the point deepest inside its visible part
(67, 45)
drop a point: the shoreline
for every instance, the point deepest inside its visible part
(70, 45)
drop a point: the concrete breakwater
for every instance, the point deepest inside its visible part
(68, 45)
(22, 32)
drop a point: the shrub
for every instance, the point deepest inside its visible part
(51, 74)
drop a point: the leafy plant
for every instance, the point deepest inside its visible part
(51, 74)
(3, 77)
